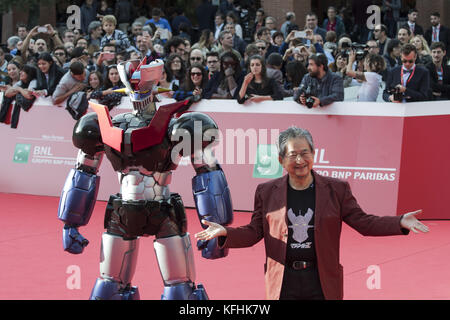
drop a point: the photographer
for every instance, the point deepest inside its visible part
(46, 31)
(409, 82)
(374, 64)
(320, 87)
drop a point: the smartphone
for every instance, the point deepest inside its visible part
(300, 34)
(42, 29)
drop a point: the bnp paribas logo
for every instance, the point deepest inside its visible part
(267, 164)
(21, 153)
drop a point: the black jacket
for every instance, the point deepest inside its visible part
(213, 84)
(54, 76)
(418, 87)
(417, 28)
(270, 88)
(443, 88)
(444, 36)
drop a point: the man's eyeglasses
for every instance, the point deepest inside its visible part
(407, 61)
(261, 48)
(294, 156)
(212, 61)
(196, 58)
(59, 54)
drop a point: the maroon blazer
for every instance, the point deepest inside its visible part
(334, 204)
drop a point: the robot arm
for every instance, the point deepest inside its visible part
(210, 189)
(78, 199)
(213, 202)
(81, 187)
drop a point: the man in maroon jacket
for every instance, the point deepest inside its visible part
(300, 217)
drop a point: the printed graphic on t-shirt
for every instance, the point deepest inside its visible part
(300, 226)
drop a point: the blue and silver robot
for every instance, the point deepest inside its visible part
(142, 148)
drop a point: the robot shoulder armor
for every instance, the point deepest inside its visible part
(192, 120)
(86, 134)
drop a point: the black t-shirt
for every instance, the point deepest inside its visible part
(301, 205)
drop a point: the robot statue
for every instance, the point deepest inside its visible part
(141, 148)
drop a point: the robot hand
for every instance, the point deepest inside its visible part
(210, 249)
(73, 241)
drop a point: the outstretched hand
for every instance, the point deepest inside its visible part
(410, 222)
(214, 230)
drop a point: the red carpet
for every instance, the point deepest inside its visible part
(34, 266)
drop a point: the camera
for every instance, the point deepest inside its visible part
(395, 91)
(309, 92)
(360, 50)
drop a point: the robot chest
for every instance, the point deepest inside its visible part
(130, 125)
(153, 133)
(154, 157)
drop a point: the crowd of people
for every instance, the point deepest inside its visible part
(311, 64)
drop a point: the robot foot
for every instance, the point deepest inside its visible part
(110, 290)
(184, 291)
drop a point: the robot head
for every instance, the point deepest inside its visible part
(140, 79)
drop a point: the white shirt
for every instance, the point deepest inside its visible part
(435, 33)
(406, 75)
(370, 88)
(218, 30)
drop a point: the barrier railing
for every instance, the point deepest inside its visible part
(393, 155)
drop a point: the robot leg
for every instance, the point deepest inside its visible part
(176, 262)
(118, 259)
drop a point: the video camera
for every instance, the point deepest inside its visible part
(360, 50)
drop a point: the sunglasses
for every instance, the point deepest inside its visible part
(196, 58)
(407, 61)
(261, 48)
(196, 74)
(59, 54)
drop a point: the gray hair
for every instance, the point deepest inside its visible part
(13, 41)
(94, 25)
(293, 133)
(148, 29)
